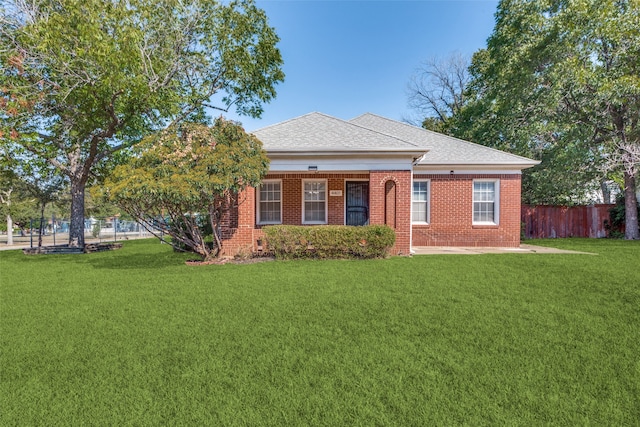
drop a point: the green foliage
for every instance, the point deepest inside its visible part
(329, 241)
(82, 81)
(95, 230)
(435, 125)
(186, 175)
(559, 82)
(617, 218)
(24, 197)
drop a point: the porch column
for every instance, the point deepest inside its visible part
(238, 237)
(395, 209)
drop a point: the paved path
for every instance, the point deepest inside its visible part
(458, 250)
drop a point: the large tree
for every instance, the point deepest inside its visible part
(564, 75)
(444, 100)
(437, 91)
(506, 114)
(24, 195)
(83, 80)
(183, 183)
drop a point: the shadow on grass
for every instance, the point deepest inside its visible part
(137, 261)
(143, 255)
(140, 254)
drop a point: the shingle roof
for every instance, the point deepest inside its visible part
(317, 132)
(369, 133)
(442, 149)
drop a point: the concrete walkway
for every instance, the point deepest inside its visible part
(458, 250)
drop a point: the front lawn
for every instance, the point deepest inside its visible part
(136, 337)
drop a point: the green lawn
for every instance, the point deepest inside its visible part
(136, 337)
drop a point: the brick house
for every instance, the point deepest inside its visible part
(432, 189)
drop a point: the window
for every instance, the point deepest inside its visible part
(314, 202)
(420, 202)
(270, 202)
(486, 201)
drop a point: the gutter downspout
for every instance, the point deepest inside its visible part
(413, 164)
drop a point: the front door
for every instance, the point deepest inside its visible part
(357, 203)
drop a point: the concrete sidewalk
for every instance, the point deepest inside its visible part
(458, 250)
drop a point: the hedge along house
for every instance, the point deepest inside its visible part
(432, 189)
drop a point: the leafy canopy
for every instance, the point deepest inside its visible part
(560, 81)
(83, 80)
(177, 178)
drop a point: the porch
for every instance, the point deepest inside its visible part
(313, 198)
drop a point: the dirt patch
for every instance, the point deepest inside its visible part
(66, 249)
(221, 261)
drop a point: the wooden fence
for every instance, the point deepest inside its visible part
(563, 221)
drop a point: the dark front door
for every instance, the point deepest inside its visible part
(357, 203)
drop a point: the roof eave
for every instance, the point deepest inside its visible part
(337, 153)
(470, 166)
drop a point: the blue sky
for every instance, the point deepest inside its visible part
(345, 58)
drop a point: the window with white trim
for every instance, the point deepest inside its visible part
(314, 201)
(269, 200)
(420, 201)
(486, 201)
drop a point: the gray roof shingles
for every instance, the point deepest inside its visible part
(317, 133)
(442, 149)
(320, 132)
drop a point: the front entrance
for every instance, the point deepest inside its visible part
(357, 200)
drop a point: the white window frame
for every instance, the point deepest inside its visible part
(326, 201)
(496, 202)
(258, 210)
(428, 201)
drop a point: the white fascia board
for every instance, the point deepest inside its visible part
(466, 168)
(400, 152)
(342, 162)
(458, 171)
(338, 165)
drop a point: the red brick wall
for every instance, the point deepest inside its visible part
(451, 210)
(240, 240)
(244, 238)
(451, 216)
(378, 199)
(292, 195)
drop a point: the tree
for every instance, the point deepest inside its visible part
(447, 100)
(45, 189)
(564, 76)
(84, 81)
(26, 188)
(184, 182)
(8, 184)
(436, 91)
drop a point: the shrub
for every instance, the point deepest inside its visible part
(329, 241)
(617, 215)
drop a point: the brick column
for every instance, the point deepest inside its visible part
(401, 206)
(239, 239)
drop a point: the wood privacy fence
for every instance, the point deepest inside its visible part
(563, 221)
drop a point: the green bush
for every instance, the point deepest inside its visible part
(329, 241)
(617, 215)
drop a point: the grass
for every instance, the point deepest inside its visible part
(136, 337)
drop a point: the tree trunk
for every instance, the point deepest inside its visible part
(76, 228)
(9, 230)
(41, 228)
(630, 208)
(606, 192)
